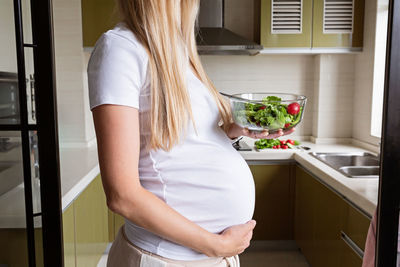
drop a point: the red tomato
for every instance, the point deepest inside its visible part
(290, 141)
(293, 108)
(283, 142)
(263, 107)
(278, 146)
(284, 147)
(287, 125)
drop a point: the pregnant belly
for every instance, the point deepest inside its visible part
(215, 196)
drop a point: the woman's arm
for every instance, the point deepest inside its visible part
(118, 141)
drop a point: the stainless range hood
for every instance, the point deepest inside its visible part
(214, 39)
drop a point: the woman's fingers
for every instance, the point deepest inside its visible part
(265, 134)
(256, 134)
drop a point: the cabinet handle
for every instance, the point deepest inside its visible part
(352, 244)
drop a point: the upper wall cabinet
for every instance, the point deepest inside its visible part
(338, 23)
(286, 23)
(98, 16)
(312, 24)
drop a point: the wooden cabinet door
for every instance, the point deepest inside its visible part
(320, 218)
(91, 224)
(304, 213)
(286, 23)
(338, 23)
(348, 258)
(98, 16)
(328, 222)
(274, 201)
(69, 236)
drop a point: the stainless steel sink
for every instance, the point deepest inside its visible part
(362, 172)
(352, 165)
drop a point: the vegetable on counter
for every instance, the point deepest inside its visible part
(276, 144)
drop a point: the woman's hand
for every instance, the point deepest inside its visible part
(236, 131)
(235, 239)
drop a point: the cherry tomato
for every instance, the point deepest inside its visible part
(274, 147)
(283, 142)
(284, 147)
(287, 125)
(278, 146)
(263, 107)
(290, 141)
(293, 108)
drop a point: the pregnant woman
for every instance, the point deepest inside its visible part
(164, 143)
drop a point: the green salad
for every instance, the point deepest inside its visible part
(270, 113)
(276, 143)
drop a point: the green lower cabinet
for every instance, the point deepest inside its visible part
(69, 236)
(85, 227)
(320, 217)
(274, 201)
(328, 222)
(91, 224)
(118, 222)
(304, 213)
(347, 256)
(14, 250)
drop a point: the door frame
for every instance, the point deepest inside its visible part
(389, 183)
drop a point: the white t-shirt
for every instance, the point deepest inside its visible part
(204, 178)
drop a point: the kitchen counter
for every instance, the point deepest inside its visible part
(79, 166)
(363, 193)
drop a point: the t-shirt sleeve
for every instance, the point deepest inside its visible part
(116, 72)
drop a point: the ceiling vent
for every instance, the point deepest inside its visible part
(338, 16)
(286, 16)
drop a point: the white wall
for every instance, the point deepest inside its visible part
(8, 57)
(333, 94)
(364, 67)
(75, 127)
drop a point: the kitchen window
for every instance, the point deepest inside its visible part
(379, 67)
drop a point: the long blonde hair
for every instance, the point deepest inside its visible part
(166, 28)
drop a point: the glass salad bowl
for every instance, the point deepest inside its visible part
(271, 111)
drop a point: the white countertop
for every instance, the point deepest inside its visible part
(361, 192)
(79, 166)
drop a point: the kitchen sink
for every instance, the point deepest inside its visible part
(352, 165)
(362, 172)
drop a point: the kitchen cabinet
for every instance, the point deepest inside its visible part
(116, 222)
(286, 24)
(321, 216)
(69, 236)
(98, 16)
(85, 227)
(274, 201)
(312, 24)
(14, 252)
(338, 23)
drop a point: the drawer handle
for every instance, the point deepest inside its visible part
(352, 244)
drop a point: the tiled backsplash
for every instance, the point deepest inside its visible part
(327, 81)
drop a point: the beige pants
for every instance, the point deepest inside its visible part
(125, 254)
